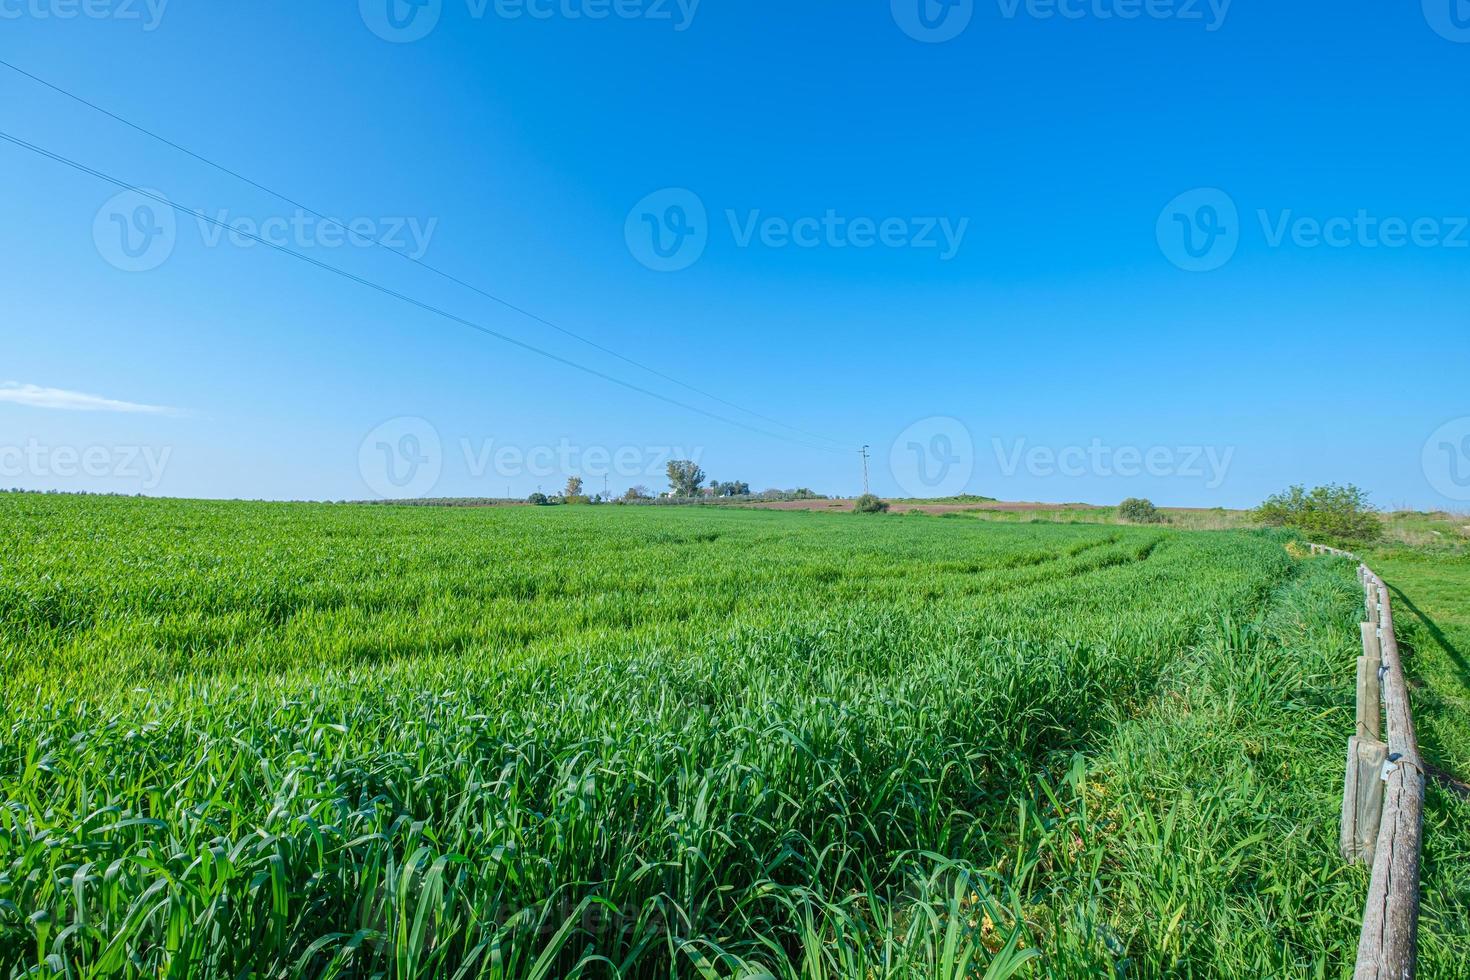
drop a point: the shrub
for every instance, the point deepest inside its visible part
(1139, 510)
(1332, 511)
(869, 504)
(539, 499)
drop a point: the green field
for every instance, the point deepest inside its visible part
(309, 740)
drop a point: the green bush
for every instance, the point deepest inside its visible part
(1139, 510)
(1333, 511)
(539, 499)
(869, 504)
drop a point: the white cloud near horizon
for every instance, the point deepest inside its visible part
(59, 399)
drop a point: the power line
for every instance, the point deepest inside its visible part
(387, 291)
(410, 258)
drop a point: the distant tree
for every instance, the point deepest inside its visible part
(638, 492)
(572, 494)
(685, 477)
(729, 488)
(1139, 510)
(869, 504)
(1332, 511)
(539, 499)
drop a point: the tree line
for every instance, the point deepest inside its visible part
(687, 481)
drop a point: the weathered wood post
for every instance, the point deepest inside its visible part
(1362, 792)
(1372, 644)
(1370, 678)
(1368, 693)
(1362, 798)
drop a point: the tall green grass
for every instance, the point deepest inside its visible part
(329, 741)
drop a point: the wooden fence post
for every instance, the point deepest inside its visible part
(1362, 798)
(1372, 645)
(1368, 698)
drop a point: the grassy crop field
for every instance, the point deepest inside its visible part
(284, 740)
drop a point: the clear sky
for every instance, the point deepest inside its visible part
(1072, 250)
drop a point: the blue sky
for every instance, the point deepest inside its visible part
(968, 253)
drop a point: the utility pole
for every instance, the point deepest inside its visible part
(865, 469)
